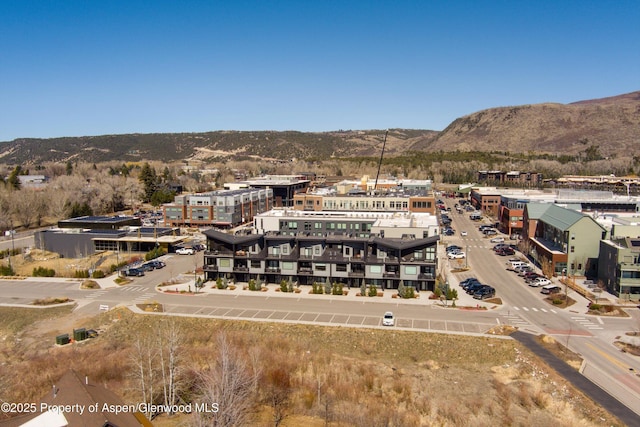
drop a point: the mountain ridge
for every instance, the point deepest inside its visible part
(611, 124)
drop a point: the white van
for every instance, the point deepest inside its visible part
(550, 289)
(517, 264)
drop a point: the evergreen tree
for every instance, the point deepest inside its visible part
(13, 180)
(149, 180)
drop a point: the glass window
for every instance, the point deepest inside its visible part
(225, 262)
(411, 270)
(287, 265)
(375, 268)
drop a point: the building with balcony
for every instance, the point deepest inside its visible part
(225, 208)
(326, 247)
(566, 239)
(619, 267)
(283, 187)
(390, 196)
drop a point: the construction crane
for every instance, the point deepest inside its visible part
(375, 185)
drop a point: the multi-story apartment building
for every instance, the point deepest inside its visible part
(226, 208)
(391, 196)
(382, 249)
(283, 187)
(566, 239)
(619, 267)
(511, 178)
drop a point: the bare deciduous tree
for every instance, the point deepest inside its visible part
(231, 383)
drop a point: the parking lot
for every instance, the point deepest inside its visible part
(329, 319)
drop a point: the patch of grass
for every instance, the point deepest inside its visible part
(14, 320)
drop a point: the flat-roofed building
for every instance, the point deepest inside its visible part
(224, 208)
(351, 248)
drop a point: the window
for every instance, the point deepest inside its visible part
(573, 249)
(411, 270)
(317, 225)
(321, 267)
(341, 267)
(431, 253)
(375, 268)
(256, 264)
(287, 266)
(225, 262)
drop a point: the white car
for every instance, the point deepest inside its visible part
(388, 319)
(540, 281)
(185, 251)
(463, 233)
(497, 240)
(456, 255)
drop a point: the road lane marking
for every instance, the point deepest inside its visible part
(609, 357)
(600, 320)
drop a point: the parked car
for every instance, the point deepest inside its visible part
(185, 251)
(497, 240)
(463, 233)
(388, 319)
(474, 287)
(468, 281)
(550, 289)
(155, 263)
(456, 255)
(540, 281)
(490, 232)
(506, 251)
(486, 292)
(453, 248)
(146, 267)
(198, 247)
(134, 272)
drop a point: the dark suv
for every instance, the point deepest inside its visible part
(486, 292)
(134, 272)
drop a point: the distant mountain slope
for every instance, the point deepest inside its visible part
(209, 145)
(612, 124)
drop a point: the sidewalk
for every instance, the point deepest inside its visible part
(273, 290)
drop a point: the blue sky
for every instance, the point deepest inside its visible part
(72, 68)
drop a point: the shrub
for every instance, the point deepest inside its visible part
(406, 291)
(557, 301)
(154, 253)
(6, 270)
(43, 272)
(81, 274)
(373, 290)
(595, 307)
(336, 289)
(254, 285)
(437, 292)
(98, 274)
(316, 288)
(363, 289)
(452, 294)
(286, 286)
(221, 283)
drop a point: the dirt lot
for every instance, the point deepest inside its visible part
(24, 264)
(344, 376)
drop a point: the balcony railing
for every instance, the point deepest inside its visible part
(210, 267)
